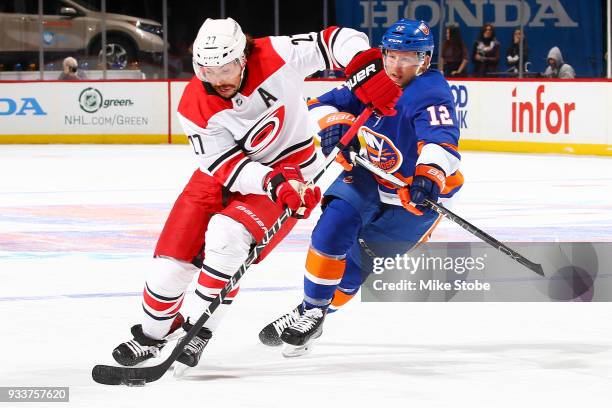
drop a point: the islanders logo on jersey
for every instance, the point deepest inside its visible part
(264, 131)
(381, 150)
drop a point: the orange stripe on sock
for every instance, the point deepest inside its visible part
(324, 267)
(340, 298)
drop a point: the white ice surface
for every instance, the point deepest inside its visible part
(78, 225)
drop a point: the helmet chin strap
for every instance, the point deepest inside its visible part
(243, 64)
(242, 61)
(422, 68)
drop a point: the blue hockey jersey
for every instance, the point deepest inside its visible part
(424, 130)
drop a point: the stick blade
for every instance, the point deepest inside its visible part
(537, 268)
(110, 375)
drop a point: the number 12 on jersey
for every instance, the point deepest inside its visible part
(444, 117)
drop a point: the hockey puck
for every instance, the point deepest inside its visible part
(136, 382)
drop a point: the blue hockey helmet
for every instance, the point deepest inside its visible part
(408, 35)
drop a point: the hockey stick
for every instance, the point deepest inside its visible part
(537, 268)
(112, 375)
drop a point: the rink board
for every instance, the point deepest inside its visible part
(494, 115)
(84, 112)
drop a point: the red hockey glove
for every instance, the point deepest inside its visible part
(286, 187)
(427, 182)
(370, 83)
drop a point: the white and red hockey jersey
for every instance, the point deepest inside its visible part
(237, 140)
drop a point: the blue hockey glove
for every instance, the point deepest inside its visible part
(333, 127)
(427, 183)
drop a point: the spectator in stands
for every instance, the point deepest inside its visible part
(557, 68)
(70, 70)
(485, 52)
(513, 52)
(454, 53)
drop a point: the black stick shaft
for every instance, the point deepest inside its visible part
(477, 232)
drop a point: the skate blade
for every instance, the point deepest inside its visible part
(180, 370)
(290, 351)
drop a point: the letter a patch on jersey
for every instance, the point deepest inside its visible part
(267, 97)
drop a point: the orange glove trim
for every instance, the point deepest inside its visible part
(432, 173)
(336, 118)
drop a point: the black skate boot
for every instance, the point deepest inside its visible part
(298, 337)
(142, 347)
(270, 335)
(193, 350)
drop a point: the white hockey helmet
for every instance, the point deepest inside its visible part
(218, 42)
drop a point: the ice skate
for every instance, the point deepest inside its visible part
(193, 350)
(142, 347)
(270, 335)
(299, 337)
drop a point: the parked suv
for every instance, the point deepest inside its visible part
(74, 27)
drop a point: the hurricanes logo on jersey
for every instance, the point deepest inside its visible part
(265, 131)
(381, 150)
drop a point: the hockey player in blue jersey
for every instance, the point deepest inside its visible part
(363, 216)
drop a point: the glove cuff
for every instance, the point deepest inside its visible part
(336, 118)
(363, 67)
(280, 175)
(271, 182)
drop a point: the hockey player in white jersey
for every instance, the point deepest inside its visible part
(246, 119)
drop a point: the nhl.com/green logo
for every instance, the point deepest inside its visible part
(91, 101)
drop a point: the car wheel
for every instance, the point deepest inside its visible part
(119, 52)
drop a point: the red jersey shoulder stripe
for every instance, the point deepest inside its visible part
(199, 106)
(261, 64)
